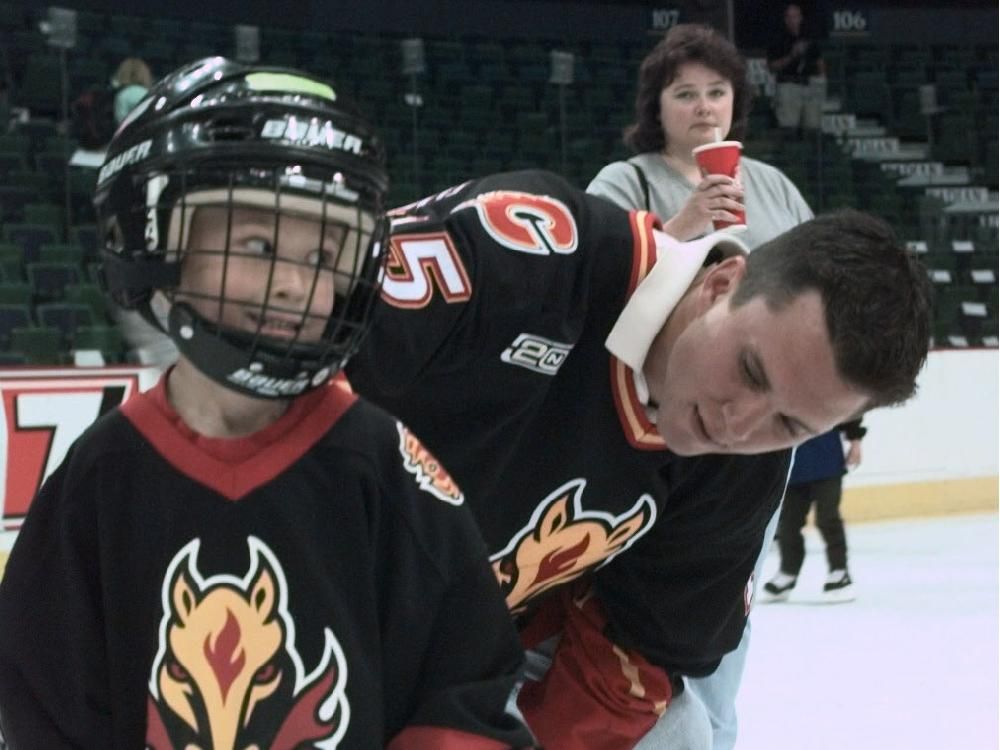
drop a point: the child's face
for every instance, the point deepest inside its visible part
(229, 285)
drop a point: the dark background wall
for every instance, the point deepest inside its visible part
(752, 22)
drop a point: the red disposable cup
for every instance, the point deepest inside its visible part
(722, 157)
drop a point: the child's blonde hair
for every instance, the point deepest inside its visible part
(133, 71)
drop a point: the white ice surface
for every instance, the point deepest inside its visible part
(911, 664)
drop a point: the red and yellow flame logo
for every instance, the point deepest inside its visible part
(228, 670)
(562, 541)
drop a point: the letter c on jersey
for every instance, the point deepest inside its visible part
(525, 222)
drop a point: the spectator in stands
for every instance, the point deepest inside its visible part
(797, 63)
(132, 80)
(147, 345)
(693, 83)
(817, 478)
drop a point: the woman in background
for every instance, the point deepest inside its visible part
(693, 89)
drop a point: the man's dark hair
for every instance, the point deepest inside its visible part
(876, 295)
(685, 43)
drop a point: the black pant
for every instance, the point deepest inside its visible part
(826, 494)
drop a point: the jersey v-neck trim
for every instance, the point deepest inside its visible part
(639, 431)
(234, 467)
(662, 270)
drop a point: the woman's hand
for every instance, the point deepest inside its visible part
(713, 199)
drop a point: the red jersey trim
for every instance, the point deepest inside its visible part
(639, 431)
(234, 467)
(442, 738)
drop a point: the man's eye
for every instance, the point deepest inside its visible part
(749, 375)
(790, 427)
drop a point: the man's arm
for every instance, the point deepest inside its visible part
(681, 596)
(674, 605)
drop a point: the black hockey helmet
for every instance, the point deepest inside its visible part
(221, 134)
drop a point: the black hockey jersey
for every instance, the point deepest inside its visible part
(489, 340)
(316, 584)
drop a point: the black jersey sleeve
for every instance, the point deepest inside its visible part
(53, 675)
(682, 594)
(473, 266)
(452, 654)
(469, 673)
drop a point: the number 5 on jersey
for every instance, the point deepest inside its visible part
(419, 262)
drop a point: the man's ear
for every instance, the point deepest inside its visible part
(721, 280)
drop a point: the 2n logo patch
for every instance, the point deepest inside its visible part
(536, 353)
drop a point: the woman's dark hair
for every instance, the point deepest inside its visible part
(685, 43)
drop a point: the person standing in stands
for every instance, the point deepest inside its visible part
(131, 80)
(796, 61)
(692, 84)
(147, 344)
(817, 478)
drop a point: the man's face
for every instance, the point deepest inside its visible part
(748, 379)
(793, 19)
(302, 285)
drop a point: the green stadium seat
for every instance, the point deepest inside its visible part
(13, 316)
(11, 161)
(113, 47)
(28, 237)
(954, 138)
(108, 340)
(868, 95)
(87, 72)
(16, 293)
(48, 214)
(41, 184)
(41, 87)
(49, 280)
(61, 252)
(13, 199)
(12, 16)
(90, 294)
(52, 165)
(39, 345)
(123, 25)
(12, 143)
(66, 317)
(168, 29)
(85, 235)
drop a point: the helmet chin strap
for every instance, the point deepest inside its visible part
(227, 358)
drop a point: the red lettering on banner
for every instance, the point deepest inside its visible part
(43, 413)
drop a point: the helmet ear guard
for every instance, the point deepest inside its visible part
(219, 134)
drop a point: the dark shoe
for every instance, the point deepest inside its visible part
(839, 587)
(778, 588)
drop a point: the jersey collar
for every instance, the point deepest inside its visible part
(658, 282)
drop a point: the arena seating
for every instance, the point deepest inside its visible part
(487, 106)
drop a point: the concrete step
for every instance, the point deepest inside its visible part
(930, 174)
(887, 149)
